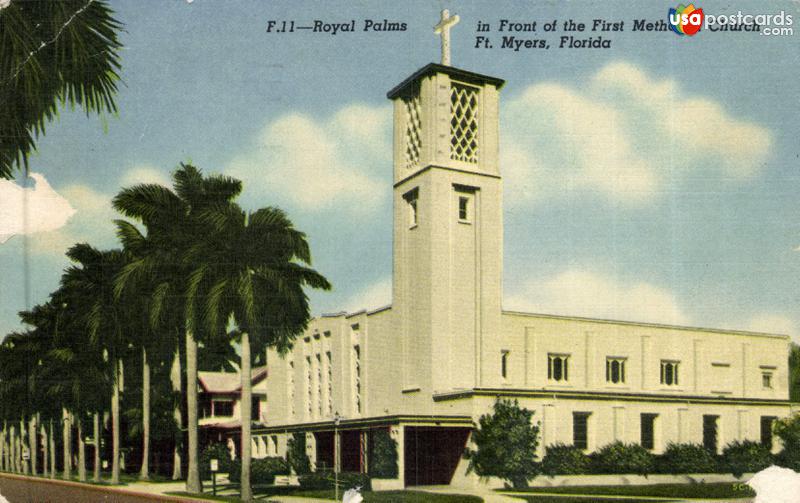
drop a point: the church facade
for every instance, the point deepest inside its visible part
(430, 364)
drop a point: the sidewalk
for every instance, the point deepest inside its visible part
(488, 495)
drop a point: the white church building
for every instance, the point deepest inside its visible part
(430, 364)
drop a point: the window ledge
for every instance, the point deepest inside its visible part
(415, 389)
(465, 222)
(411, 227)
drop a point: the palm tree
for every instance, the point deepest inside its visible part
(163, 259)
(255, 272)
(54, 53)
(91, 280)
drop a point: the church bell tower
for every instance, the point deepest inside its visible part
(448, 224)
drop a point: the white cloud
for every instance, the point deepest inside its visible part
(578, 292)
(625, 136)
(92, 223)
(316, 162)
(144, 174)
(32, 209)
(376, 295)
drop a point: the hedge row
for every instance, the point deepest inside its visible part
(619, 458)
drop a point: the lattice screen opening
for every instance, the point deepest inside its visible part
(463, 123)
(413, 130)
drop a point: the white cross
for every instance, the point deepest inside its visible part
(443, 28)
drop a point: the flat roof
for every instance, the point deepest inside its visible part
(457, 73)
(645, 324)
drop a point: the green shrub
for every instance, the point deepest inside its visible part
(216, 451)
(789, 459)
(686, 458)
(296, 454)
(505, 442)
(746, 456)
(383, 455)
(622, 458)
(325, 480)
(262, 471)
(561, 459)
(788, 430)
(316, 480)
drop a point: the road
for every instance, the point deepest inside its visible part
(20, 489)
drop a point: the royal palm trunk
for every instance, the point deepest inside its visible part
(246, 406)
(145, 471)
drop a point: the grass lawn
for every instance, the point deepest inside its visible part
(369, 497)
(568, 499)
(700, 490)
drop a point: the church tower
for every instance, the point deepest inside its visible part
(448, 225)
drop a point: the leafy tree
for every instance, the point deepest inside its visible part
(383, 455)
(505, 444)
(54, 53)
(296, 454)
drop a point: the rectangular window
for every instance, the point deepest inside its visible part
(558, 367)
(615, 370)
(669, 372)
(766, 431)
(648, 430)
(766, 379)
(223, 408)
(580, 429)
(463, 208)
(255, 411)
(710, 432)
(504, 364)
(275, 444)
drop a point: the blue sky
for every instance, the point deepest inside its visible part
(653, 181)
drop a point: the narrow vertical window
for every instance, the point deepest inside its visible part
(463, 208)
(290, 389)
(411, 197)
(766, 431)
(615, 370)
(669, 372)
(648, 431)
(357, 378)
(766, 379)
(504, 364)
(710, 432)
(557, 367)
(319, 384)
(309, 390)
(330, 382)
(580, 429)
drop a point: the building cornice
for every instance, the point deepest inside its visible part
(605, 396)
(358, 423)
(446, 168)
